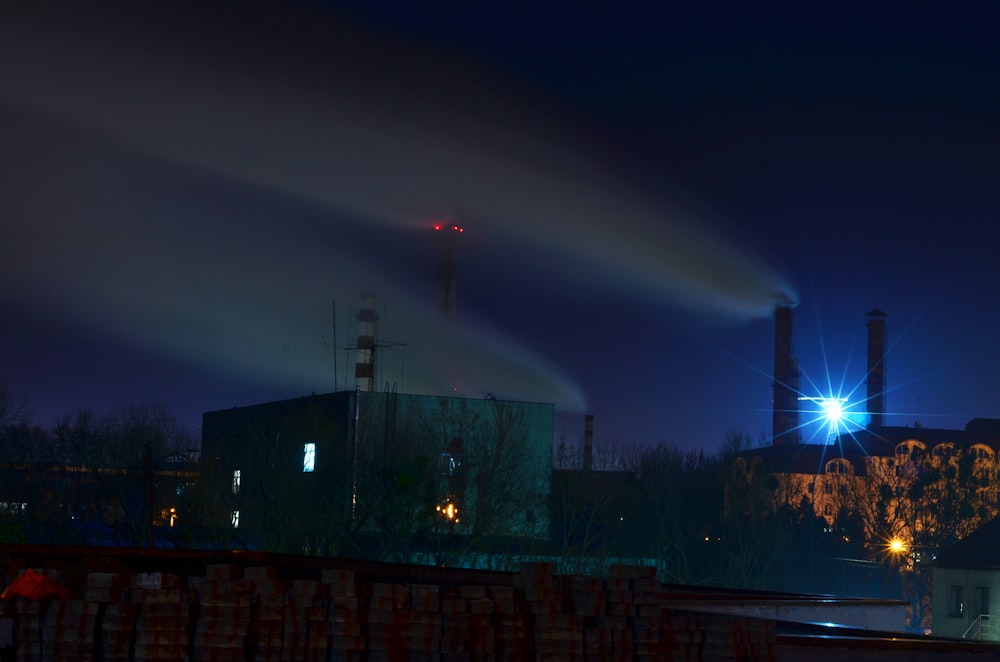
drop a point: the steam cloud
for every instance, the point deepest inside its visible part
(139, 144)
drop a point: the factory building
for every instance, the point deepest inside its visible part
(315, 473)
(899, 481)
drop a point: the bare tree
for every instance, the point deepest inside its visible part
(13, 407)
(398, 476)
(676, 507)
(924, 502)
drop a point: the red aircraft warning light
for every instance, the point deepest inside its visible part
(455, 228)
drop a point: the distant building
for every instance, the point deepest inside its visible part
(307, 474)
(901, 483)
(920, 487)
(96, 505)
(817, 472)
(966, 587)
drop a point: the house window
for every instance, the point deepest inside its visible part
(309, 457)
(236, 481)
(955, 598)
(828, 510)
(982, 600)
(236, 519)
(827, 488)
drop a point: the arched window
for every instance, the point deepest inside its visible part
(981, 452)
(839, 466)
(944, 450)
(909, 449)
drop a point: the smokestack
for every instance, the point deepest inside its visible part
(588, 442)
(876, 368)
(446, 269)
(786, 380)
(364, 368)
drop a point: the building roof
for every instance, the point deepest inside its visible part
(877, 442)
(978, 550)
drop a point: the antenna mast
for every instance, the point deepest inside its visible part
(334, 306)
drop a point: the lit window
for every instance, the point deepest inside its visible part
(309, 457)
(236, 519)
(955, 601)
(236, 481)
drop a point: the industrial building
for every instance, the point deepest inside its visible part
(911, 491)
(315, 472)
(827, 475)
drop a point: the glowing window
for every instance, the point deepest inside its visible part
(309, 457)
(236, 481)
(236, 519)
(956, 606)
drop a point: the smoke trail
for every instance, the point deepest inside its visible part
(324, 114)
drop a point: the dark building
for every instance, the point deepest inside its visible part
(313, 471)
(99, 505)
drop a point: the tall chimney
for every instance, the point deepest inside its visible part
(876, 368)
(786, 380)
(588, 442)
(446, 269)
(364, 368)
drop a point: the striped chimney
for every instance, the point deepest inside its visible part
(364, 368)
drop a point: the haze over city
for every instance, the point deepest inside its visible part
(194, 200)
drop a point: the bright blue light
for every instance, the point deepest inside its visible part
(833, 414)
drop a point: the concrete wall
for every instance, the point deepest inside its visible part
(951, 622)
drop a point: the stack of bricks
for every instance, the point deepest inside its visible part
(306, 635)
(558, 637)
(388, 625)
(163, 626)
(70, 631)
(546, 602)
(267, 621)
(420, 631)
(109, 592)
(619, 609)
(232, 614)
(347, 642)
(27, 628)
(117, 631)
(589, 598)
(223, 620)
(29, 621)
(106, 587)
(635, 614)
(482, 631)
(467, 631)
(510, 625)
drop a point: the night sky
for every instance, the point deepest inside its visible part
(195, 197)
